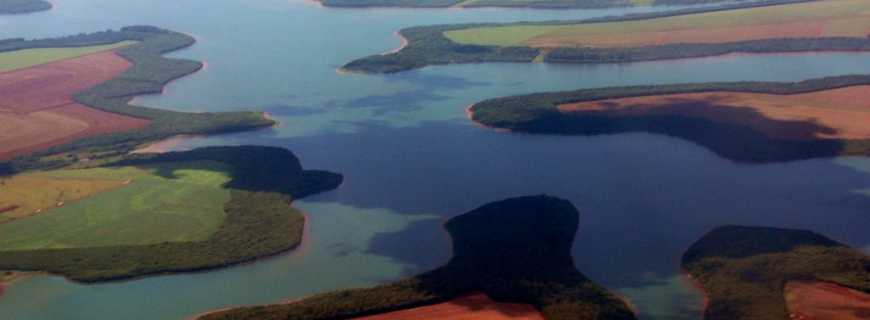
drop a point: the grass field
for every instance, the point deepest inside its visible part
(20, 59)
(153, 205)
(831, 18)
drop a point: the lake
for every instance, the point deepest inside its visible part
(411, 159)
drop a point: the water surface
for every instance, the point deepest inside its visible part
(411, 159)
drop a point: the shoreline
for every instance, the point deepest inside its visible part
(470, 115)
(403, 44)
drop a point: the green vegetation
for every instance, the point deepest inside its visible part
(744, 269)
(23, 6)
(539, 4)
(515, 250)
(148, 74)
(20, 59)
(256, 219)
(150, 209)
(505, 42)
(538, 113)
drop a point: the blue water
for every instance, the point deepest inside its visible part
(411, 159)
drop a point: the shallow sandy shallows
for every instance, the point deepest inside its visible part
(37, 109)
(830, 114)
(470, 307)
(823, 300)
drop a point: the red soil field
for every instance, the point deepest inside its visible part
(471, 307)
(37, 109)
(830, 114)
(823, 300)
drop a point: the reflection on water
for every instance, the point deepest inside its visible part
(412, 160)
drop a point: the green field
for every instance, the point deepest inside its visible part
(20, 59)
(154, 206)
(823, 18)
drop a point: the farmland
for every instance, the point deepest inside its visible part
(95, 118)
(828, 114)
(470, 307)
(745, 270)
(771, 26)
(146, 205)
(834, 18)
(825, 300)
(149, 225)
(20, 59)
(39, 109)
(537, 4)
(763, 121)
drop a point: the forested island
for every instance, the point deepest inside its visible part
(242, 212)
(515, 250)
(534, 4)
(148, 73)
(745, 121)
(773, 26)
(765, 273)
(23, 6)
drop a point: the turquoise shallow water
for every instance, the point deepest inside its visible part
(412, 159)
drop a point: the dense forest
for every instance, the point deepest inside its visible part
(260, 221)
(23, 6)
(744, 270)
(514, 250)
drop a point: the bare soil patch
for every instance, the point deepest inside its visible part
(471, 307)
(829, 114)
(824, 300)
(38, 111)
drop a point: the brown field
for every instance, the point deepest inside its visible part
(822, 300)
(38, 111)
(836, 18)
(471, 307)
(830, 114)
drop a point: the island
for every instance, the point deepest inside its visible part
(778, 274)
(515, 252)
(743, 121)
(23, 6)
(771, 26)
(67, 99)
(532, 4)
(149, 214)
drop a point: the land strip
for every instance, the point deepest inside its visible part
(23, 6)
(743, 121)
(777, 27)
(532, 4)
(746, 272)
(514, 251)
(148, 73)
(256, 220)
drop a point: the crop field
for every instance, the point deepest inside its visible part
(471, 307)
(824, 300)
(832, 18)
(828, 114)
(26, 58)
(37, 109)
(151, 205)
